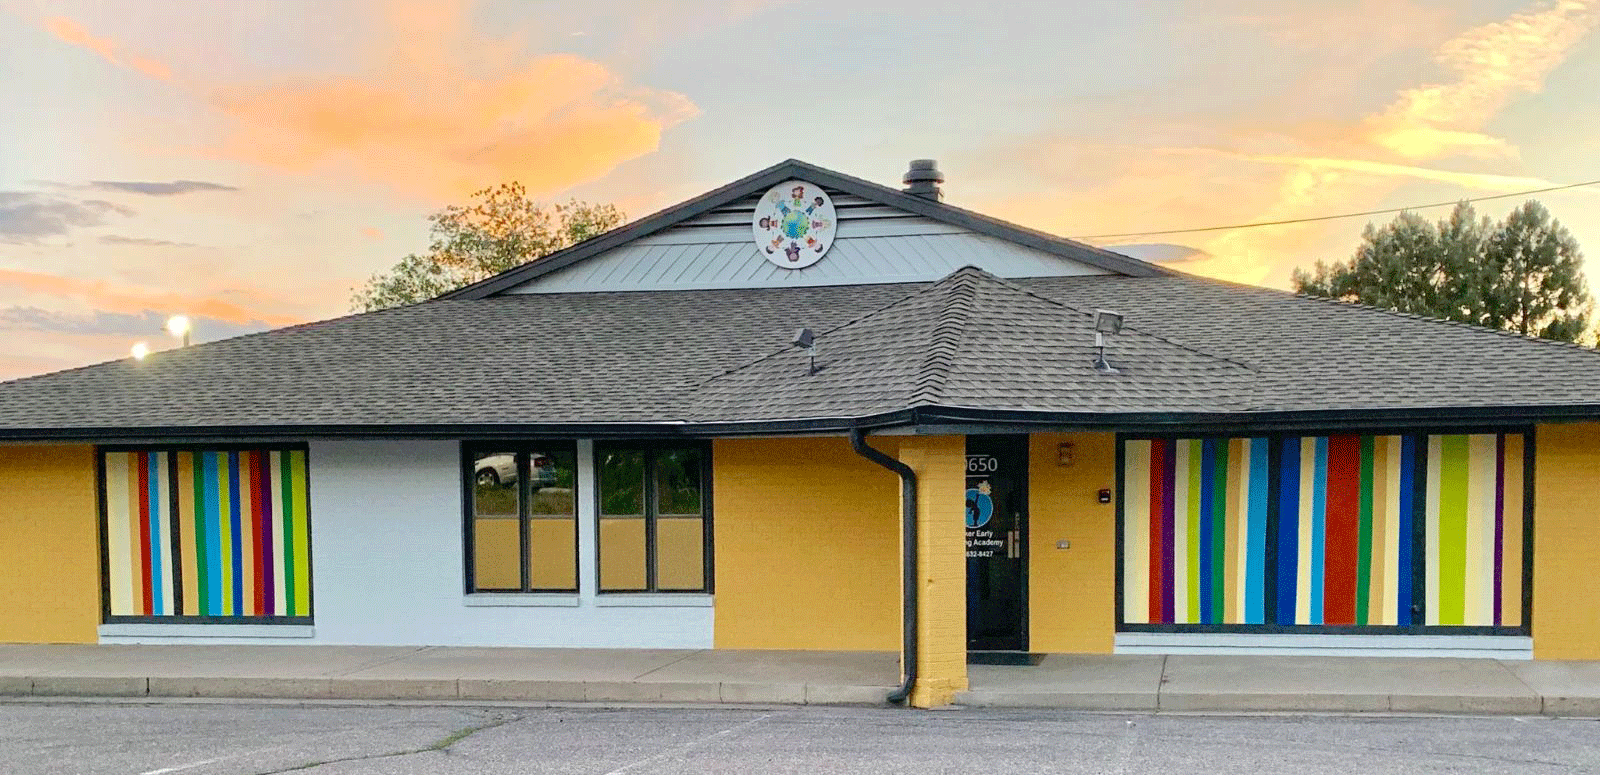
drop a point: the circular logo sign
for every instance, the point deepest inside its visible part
(794, 224)
(980, 507)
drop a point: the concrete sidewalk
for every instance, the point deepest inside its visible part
(1290, 683)
(1081, 682)
(436, 673)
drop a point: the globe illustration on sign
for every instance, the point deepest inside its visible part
(794, 224)
(980, 507)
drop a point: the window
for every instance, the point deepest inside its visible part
(213, 534)
(522, 518)
(654, 518)
(1414, 533)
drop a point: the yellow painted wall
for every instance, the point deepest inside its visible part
(807, 540)
(941, 466)
(1071, 592)
(49, 545)
(1566, 542)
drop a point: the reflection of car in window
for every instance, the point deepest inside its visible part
(501, 470)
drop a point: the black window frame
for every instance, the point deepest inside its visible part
(1529, 494)
(103, 532)
(651, 514)
(521, 449)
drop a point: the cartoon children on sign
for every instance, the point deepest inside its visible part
(796, 220)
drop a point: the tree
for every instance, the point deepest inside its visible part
(501, 228)
(1523, 274)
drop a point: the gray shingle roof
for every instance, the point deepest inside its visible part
(1320, 354)
(590, 357)
(971, 340)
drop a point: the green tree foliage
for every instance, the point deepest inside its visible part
(1523, 274)
(500, 228)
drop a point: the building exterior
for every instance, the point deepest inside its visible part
(986, 439)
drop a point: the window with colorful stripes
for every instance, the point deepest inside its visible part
(1414, 532)
(206, 535)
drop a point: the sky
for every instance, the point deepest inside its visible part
(249, 164)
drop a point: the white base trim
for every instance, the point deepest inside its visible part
(652, 600)
(205, 631)
(492, 599)
(1459, 646)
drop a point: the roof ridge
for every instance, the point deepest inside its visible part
(961, 288)
(1158, 337)
(781, 350)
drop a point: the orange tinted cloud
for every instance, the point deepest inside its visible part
(1492, 64)
(438, 114)
(1253, 170)
(70, 31)
(102, 295)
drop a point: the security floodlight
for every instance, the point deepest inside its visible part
(139, 351)
(805, 340)
(1105, 322)
(179, 326)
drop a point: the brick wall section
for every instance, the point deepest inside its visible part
(49, 545)
(1071, 592)
(807, 545)
(940, 463)
(1566, 539)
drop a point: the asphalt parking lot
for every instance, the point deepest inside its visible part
(88, 738)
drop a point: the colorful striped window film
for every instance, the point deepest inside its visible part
(207, 535)
(1331, 531)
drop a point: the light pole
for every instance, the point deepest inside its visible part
(139, 351)
(179, 326)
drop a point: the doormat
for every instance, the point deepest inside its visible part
(1003, 658)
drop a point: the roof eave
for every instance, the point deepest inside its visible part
(925, 419)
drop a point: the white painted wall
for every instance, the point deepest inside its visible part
(387, 568)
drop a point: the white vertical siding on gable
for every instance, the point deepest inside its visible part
(875, 244)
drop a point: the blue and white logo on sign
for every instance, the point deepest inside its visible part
(980, 507)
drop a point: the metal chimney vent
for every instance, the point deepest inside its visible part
(923, 180)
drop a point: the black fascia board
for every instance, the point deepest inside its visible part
(595, 430)
(947, 419)
(924, 419)
(764, 179)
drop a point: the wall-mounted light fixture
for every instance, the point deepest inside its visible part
(1064, 452)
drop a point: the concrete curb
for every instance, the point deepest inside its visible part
(1255, 702)
(1061, 700)
(444, 689)
(749, 693)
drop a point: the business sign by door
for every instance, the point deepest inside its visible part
(996, 522)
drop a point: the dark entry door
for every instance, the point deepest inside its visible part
(997, 541)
